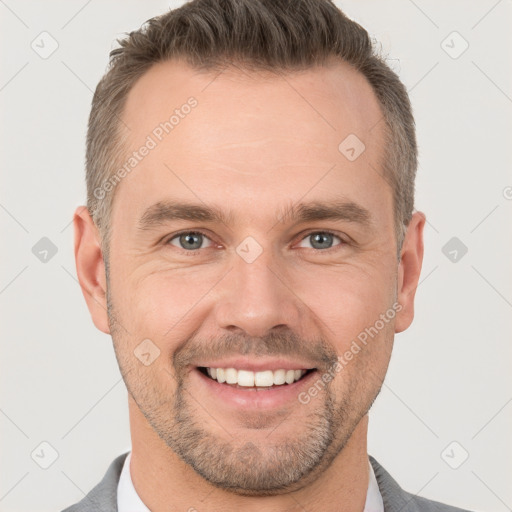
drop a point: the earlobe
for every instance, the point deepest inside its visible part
(90, 267)
(409, 270)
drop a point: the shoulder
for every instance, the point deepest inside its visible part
(103, 497)
(397, 500)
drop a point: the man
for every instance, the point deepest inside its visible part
(251, 246)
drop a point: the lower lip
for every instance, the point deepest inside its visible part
(268, 398)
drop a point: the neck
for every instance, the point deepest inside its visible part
(163, 481)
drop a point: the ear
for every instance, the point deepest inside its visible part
(409, 270)
(90, 267)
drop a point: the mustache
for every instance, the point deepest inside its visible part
(318, 352)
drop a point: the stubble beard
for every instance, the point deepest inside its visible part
(241, 466)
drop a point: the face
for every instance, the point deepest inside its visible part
(247, 239)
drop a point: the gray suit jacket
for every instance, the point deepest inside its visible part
(103, 497)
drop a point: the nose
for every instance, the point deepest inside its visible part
(257, 297)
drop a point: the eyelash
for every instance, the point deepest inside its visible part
(343, 242)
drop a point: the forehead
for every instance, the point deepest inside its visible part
(270, 138)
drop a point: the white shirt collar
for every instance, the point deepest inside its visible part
(129, 501)
(374, 501)
(127, 498)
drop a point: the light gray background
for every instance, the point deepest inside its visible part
(450, 374)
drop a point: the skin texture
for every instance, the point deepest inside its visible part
(254, 145)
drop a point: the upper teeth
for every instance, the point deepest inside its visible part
(247, 378)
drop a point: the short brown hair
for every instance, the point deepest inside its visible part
(267, 35)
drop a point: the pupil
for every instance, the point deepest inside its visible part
(322, 238)
(191, 240)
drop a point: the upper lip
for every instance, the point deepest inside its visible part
(257, 364)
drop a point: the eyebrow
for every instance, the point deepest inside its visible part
(330, 210)
(163, 212)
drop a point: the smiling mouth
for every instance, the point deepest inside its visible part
(267, 379)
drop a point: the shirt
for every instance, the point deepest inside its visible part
(129, 501)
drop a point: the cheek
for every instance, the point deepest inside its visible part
(347, 301)
(168, 304)
(163, 304)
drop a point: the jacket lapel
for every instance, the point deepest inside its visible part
(103, 497)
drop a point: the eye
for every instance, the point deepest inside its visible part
(321, 240)
(189, 240)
